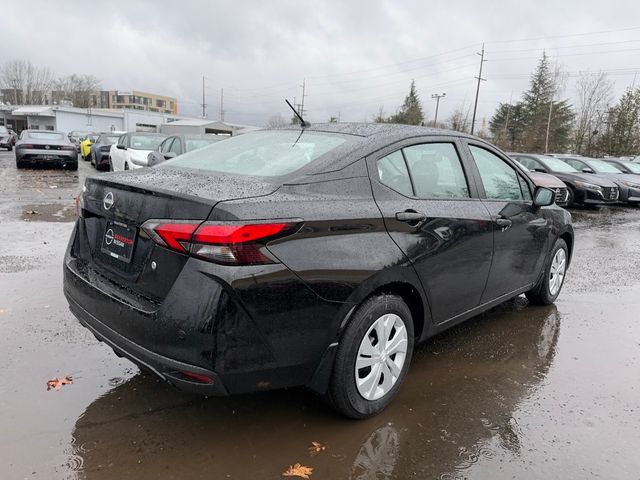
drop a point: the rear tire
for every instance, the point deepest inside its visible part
(379, 338)
(19, 164)
(550, 285)
(72, 166)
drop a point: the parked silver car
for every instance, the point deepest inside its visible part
(45, 147)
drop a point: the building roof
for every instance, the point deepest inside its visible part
(39, 110)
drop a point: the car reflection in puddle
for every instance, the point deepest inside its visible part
(456, 407)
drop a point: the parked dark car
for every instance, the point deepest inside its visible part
(176, 145)
(549, 181)
(100, 150)
(584, 189)
(626, 166)
(8, 138)
(628, 185)
(314, 257)
(45, 147)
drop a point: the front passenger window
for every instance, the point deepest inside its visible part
(499, 179)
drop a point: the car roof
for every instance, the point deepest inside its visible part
(378, 129)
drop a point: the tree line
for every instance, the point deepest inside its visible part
(27, 84)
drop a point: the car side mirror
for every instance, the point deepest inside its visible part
(169, 155)
(154, 158)
(544, 197)
(587, 170)
(539, 169)
(120, 146)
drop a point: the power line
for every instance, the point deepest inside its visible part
(584, 34)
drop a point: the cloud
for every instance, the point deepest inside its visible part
(356, 56)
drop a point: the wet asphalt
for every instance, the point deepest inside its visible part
(519, 392)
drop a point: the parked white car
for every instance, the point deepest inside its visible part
(132, 150)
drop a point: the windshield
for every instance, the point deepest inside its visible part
(600, 166)
(633, 167)
(46, 135)
(556, 165)
(267, 154)
(113, 139)
(146, 142)
(4, 131)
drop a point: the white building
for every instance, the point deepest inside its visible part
(203, 126)
(67, 119)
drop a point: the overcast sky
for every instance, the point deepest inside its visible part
(356, 56)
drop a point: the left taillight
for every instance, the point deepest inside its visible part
(226, 244)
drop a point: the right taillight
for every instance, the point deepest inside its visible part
(227, 244)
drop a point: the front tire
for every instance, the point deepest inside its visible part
(550, 285)
(373, 357)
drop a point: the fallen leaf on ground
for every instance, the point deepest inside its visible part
(31, 212)
(57, 383)
(298, 470)
(317, 448)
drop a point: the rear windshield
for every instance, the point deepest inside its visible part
(111, 139)
(196, 143)
(4, 131)
(46, 135)
(146, 142)
(557, 165)
(264, 154)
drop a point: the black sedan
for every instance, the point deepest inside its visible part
(176, 145)
(584, 188)
(45, 147)
(628, 184)
(316, 256)
(100, 150)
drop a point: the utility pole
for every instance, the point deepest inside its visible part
(303, 95)
(437, 96)
(546, 138)
(222, 104)
(204, 105)
(480, 79)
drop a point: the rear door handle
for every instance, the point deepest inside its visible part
(410, 217)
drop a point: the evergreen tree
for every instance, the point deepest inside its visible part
(523, 126)
(622, 134)
(411, 111)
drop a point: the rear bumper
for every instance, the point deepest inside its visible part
(166, 368)
(46, 156)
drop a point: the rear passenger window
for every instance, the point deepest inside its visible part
(436, 171)
(392, 172)
(499, 179)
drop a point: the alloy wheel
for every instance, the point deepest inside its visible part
(557, 271)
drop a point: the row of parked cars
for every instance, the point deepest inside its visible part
(115, 151)
(581, 180)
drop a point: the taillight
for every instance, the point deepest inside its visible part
(25, 145)
(227, 244)
(67, 147)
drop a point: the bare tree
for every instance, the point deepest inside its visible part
(77, 89)
(276, 121)
(459, 118)
(27, 83)
(594, 94)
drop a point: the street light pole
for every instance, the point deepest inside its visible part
(437, 96)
